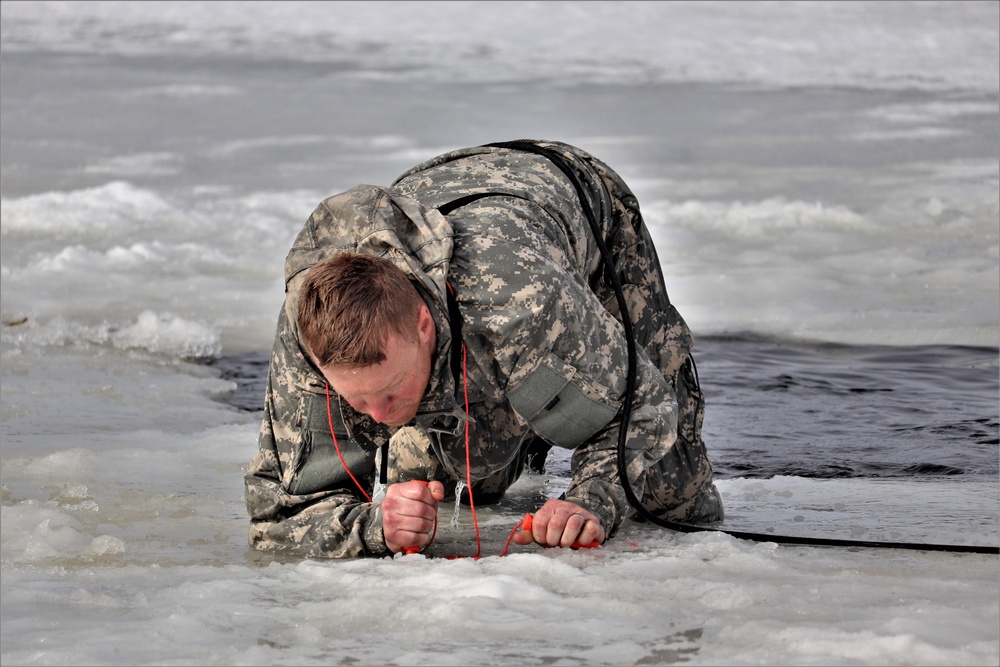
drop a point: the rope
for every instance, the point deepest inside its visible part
(333, 434)
(612, 277)
(468, 458)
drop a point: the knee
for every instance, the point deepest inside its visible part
(707, 506)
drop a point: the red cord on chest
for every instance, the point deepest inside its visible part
(524, 524)
(468, 461)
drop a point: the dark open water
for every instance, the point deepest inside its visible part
(777, 407)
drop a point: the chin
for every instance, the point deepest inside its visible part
(397, 421)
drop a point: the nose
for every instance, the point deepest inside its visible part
(379, 409)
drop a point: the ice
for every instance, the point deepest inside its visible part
(814, 175)
(930, 44)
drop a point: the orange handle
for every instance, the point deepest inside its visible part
(526, 524)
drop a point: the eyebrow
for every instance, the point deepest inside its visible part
(384, 389)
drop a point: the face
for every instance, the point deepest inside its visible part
(390, 392)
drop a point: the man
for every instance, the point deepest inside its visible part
(451, 328)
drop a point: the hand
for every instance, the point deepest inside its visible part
(409, 511)
(560, 523)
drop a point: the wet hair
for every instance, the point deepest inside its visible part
(349, 304)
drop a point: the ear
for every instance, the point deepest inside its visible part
(426, 329)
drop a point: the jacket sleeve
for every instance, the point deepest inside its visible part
(559, 353)
(569, 384)
(299, 496)
(652, 434)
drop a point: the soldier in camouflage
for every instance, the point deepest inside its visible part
(518, 345)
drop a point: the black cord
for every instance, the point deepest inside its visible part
(630, 381)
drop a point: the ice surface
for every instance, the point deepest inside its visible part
(813, 174)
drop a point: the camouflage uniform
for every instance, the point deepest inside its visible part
(546, 353)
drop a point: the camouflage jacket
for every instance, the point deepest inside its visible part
(546, 354)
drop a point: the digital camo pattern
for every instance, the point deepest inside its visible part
(546, 354)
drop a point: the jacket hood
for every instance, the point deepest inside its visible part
(375, 221)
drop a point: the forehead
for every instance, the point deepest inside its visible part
(378, 378)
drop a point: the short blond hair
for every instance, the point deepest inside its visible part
(348, 305)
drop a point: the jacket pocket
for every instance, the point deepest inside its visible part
(317, 465)
(546, 394)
